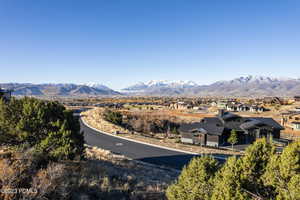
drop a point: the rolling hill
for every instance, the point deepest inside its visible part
(28, 89)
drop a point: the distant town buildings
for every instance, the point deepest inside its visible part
(234, 106)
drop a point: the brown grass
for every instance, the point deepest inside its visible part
(102, 175)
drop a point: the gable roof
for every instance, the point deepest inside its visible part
(212, 125)
(217, 125)
(267, 121)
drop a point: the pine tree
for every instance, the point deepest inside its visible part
(38, 123)
(283, 173)
(195, 181)
(253, 166)
(227, 184)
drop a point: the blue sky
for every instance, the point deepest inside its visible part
(121, 42)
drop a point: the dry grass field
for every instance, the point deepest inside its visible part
(102, 175)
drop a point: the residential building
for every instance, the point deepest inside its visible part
(296, 126)
(297, 98)
(291, 120)
(215, 131)
(273, 100)
(180, 106)
(222, 104)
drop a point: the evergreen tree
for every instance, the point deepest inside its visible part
(282, 173)
(59, 145)
(36, 123)
(227, 184)
(253, 166)
(195, 181)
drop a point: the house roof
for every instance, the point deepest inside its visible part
(267, 121)
(189, 127)
(212, 125)
(295, 122)
(217, 125)
(228, 115)
(234, 125)
(250, 124)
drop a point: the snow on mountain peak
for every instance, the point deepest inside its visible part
(171, 83)
(97, 86)
(159, 83)
(256, 79)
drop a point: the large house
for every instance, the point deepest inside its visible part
(291, 119)
(5, 94)
(215, 131)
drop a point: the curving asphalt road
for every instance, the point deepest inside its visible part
(138, 151)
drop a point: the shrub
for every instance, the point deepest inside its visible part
(113, 117)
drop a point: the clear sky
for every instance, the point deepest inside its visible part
(121, 42)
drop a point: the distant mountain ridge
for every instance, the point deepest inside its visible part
(29, 89)
(153, 85)
(246, 86)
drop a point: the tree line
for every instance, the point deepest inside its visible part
(143, 123)
(260, 174)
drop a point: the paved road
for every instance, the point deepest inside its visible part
(137, 151)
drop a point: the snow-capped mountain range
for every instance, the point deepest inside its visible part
(141, 86)
(257, 79)
(247, 86)
(242, 86)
